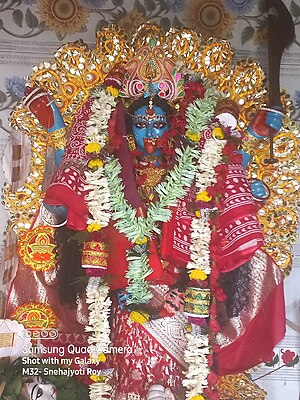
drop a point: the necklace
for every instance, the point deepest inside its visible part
(140, 229)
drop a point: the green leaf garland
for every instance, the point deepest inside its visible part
(201, 111)
(135, 227)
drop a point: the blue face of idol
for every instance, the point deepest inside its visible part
(148, 131)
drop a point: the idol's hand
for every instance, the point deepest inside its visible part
(123, 297)
(38, 101)
(246, 158)
(260, 190)
(265, 119)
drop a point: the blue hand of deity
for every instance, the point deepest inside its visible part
(123, 297)
(246, 158)
(58, 156)
(265, 119)
(260, 190)
(274, 120)
(58, 119)
(58, 124)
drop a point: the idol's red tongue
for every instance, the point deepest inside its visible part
(150, 145)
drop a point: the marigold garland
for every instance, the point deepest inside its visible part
(139, 317)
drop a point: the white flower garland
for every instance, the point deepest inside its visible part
(198, 345)
(212, 156)
(200, 242)
(100, 390)
(99, 303)
(200, 229)
(195, 356)
(96, 182)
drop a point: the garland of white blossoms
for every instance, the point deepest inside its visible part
(96, 137)
(195, 356)
(198, 345)
(99, 302)
(200, 229)
(136, 228)
(199, 114)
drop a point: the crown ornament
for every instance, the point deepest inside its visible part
(152, 73)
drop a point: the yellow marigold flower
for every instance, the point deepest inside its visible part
(198, 214)
(93, 227)
(218, 133)
(92, 147)
(113, 91)
(95, 163)
(141, 240)
(97, 378)
(194, 136)
(197, 274)
(198, 397)
(203, 196)
(102, 357)
(138, 317)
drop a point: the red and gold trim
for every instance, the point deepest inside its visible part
(37, 248)
(35, 316)
(94, 255)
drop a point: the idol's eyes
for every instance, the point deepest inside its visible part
(141, 125)
(159, 125)
(156, 125)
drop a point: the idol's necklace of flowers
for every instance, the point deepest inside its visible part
(200, 266)
(195, 356)
(96, 138)
(99, 303)
(140, 229)
(200, 229)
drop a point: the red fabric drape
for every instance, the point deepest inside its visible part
(263, 333)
